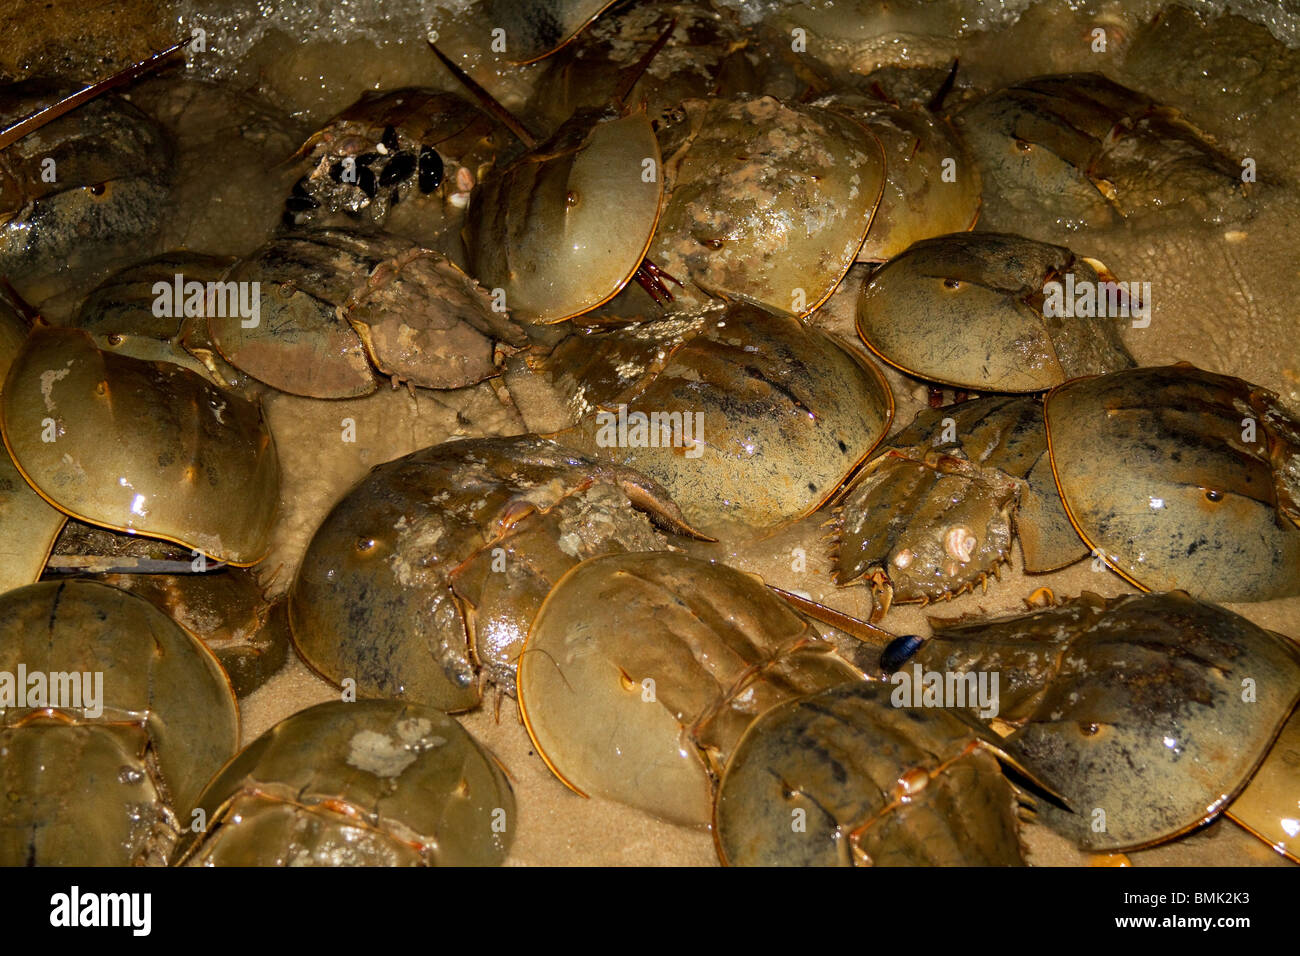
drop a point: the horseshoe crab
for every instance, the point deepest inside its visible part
(142, 447)
(393, 147)
(224, 607)
(933, 515)
(1096, 152)
(967, 310)
(847, 778)
(117, 720)
(1148, 713)
(705, 55)
(422, 581)
(368, 783)
(332, 302)
(567, 225)
(1269, 805)
(121, 315)
(80, 188)
(536, 30)
(768, 202)
(28, 523)
(641, 671)
(746, 417)
(932, 185)
(1200, 485)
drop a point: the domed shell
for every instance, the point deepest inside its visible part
(970, 310)
(1181, 479)
(365, 783)
(143, 447)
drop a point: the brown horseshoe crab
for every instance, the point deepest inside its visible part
(1199, 488)
(567, 225)
(224, 607)
(1147, 713)
(934, 514)
(368, 783)
(778, 414)
(1269, 807)
(28, 523)
(1097, 152)
(847, 778)
(706, 54)
(536, 30)
(422, 581)
(768, 202)
(120, 721)
(334, 305)
(86, 430)
(122, 315)
(969, 310)
(932, 185)
(112, 175)
(641, 672)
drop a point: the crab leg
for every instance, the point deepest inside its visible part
(650, 277)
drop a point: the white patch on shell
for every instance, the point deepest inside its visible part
(47, 385)
(959, 543)
(903, 558)
(74, 465)
(385, 756)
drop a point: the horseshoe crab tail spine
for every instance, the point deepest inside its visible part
(634, 73)
(863, 631)
(936, 102)
(486, 99)
(35, 121)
